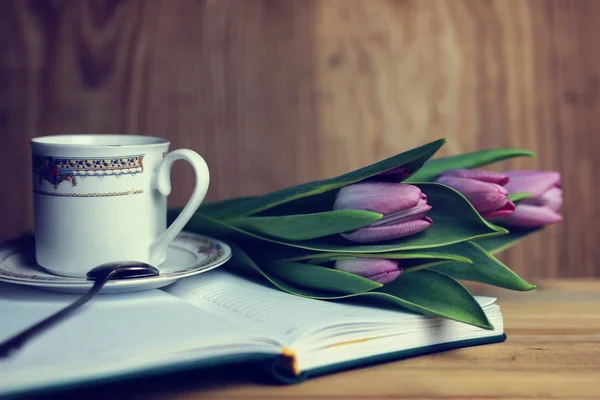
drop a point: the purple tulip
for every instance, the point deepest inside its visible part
(404, 208)
(483, 189)
(540, 209)
(376, 269)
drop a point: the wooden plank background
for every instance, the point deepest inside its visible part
(274, 93)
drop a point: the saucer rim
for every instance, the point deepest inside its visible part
(82, 283)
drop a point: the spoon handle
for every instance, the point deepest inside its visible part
(8, 347)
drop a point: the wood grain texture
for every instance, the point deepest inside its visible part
(552, 352)
(275, 93)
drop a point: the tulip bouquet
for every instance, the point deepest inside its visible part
(398, 233)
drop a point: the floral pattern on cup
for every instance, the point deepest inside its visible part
(57, 170)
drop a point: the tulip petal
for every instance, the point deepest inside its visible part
(417, 212)
(531, 181)
(366, 267)
(376, 269)
(488, 201)
(394, 219)
(385, 277)
(484, 196)
(503, 211)
(387, 232)
(478, 175)
(466, 186)
(381, 197)
(552, 199)
(530, 216)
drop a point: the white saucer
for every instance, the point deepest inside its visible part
(189, 254)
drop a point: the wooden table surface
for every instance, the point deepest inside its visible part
(552, 351)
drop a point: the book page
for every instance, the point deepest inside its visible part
(265, 308)
(289, 318)
(250, 304)
(135, 328)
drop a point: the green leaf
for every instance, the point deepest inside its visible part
(315, 203)
(323, 257)
(321, 278)
(455, 221)
(307, 226)
(266, 253)
(409, 265)
(434, 167)
(417, 265)
(414, 159)
(497, 244)
(437, 294)
(517, 197)
(485, 269)
(240, 263)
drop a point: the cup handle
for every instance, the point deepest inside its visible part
(162, 182)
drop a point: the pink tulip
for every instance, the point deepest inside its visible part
(540, 209)
(483, 189)
(404, 208)
(376, 269)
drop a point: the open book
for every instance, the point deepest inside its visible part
(209, 319)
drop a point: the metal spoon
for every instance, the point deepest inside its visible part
(100, 275)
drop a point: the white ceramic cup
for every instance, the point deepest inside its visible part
(103, 198)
